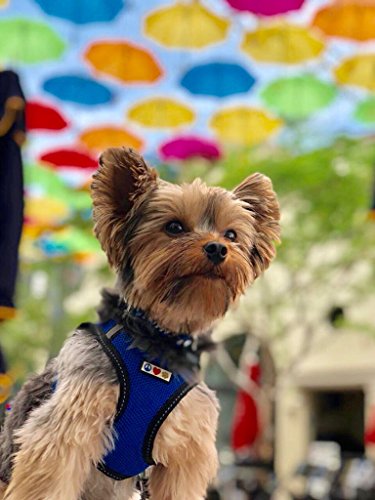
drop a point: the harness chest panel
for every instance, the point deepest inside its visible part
(148, 394)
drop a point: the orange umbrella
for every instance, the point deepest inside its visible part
(185, 25)
(357, 70)
(124, 61)
(348, 19)
(282, 43)
(161, 112)
(99, 138)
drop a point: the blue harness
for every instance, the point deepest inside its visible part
(148, 394)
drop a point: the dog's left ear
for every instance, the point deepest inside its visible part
(257, 191)
(122, 179)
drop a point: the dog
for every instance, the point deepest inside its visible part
(183, 255)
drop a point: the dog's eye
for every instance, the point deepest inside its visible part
(174, 227)
(230, 235)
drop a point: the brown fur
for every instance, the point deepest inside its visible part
(173, 281)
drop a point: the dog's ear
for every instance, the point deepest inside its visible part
(257, 191)
(122, 179)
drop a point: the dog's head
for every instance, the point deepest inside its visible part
(183, 253)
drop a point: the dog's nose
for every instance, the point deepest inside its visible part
(215, 251)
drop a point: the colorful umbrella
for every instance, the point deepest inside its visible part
(28, 41)
(68, 241)
(41, 116)
(217, 79)
(45, 211)
(189, 26)
(312, 94)
(365, 111)
(244, 126)
(282, 43)
(83, 11)
(351, 19)
(186, 147)
(3, 3)
(161, 112)
(266, 7)
(98, 139)
(357, 70)
(124, 61)
(78, 89)
(69, 158)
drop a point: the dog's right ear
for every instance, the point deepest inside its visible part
(122, 179)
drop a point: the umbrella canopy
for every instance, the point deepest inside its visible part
(357, 70)
(266, 7)
(282, 43)
(124, 61)
(78, 89)
(352, 19)
(186, 147)
(365, 111)
(313, 94)
(68, 241)
(45, 211)
(161, 112)
(244, 126)
(189, 26)
(26, 41)
(40, 116)
(83, 11)
(69, 158)
(217, 79)
(100, 138)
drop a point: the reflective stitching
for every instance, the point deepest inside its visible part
(113, 331)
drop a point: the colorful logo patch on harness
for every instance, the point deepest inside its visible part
(156, 371)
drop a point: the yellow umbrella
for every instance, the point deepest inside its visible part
(124, 61)
(97, 139)
(161, 112)
(244, 126)
(3, 3)
(357, 70)
(282, 43)
(185, 25)
(351, 19)
(45, 211)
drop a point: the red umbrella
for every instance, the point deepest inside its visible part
(266, 7)
(70, 158)
(185, 147)
(41, 116)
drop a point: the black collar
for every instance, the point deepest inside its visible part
(177, 351)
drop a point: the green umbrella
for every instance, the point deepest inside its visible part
(297, 97)
(365, 111)
(50, 184)
(27, 41)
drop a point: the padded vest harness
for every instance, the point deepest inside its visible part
(148, 394)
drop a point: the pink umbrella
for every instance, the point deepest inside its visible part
(266, 7)
(185, 147)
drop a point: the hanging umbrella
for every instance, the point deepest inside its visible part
(124, 61)
(186, 147)
(69, 241)
(161, 112)
(189, 26)
(266, 7)
(69, 158)
(352, 19)
(313, 94)
(357, 70)
(365, 111)
(45, 211)
(78, 89)
(25, 41)
(83, 11)
(282, 43)
(3, 3)
(217, 79)
(244, 126)
(100, 138)
(41, 116)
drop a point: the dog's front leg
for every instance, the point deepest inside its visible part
(185, 450)
(62, 440)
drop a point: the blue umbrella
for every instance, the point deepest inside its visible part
(78, 89)
(217, 79)
(82, 11)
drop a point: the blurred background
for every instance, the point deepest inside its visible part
(217, 89)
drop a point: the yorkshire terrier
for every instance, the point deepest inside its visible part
(124, 395)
